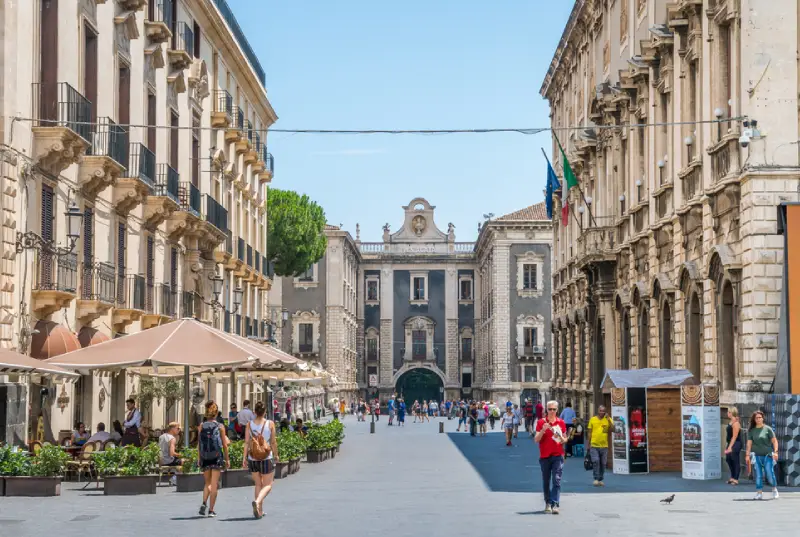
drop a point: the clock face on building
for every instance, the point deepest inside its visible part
(418, 225)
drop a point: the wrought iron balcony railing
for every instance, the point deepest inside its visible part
(223, 102)
(183, 38)
(142, 164)
(191, 305)
(229, 242)
(189, 198)
(269, 160)
(131, 292)
(61, 105)
(240, 248)
(99, 282)
(167, 300)
(215, 214)
(240, 119)
(167, 182)
(161, 11)
(56, 273)
(257, 259)
(249, 255)
(109, 140)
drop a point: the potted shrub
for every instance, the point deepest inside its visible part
(190, 479)
(291, 447)
(337, 429)
(128, 470)
(236, 476)
(317, 439)
(40, 476)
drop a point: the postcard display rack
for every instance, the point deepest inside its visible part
(701, 447)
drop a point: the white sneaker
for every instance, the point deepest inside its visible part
(596, 483)
(759, 496)
(775, 494)
(173, 480)
(548, 509)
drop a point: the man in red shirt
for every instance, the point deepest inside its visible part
(551, 433)
(528, 415)
(539, 410)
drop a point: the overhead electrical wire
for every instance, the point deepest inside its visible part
(525, 131)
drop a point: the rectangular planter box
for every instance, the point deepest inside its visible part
(190, 483)
(32, 486)
(236, 478)
(332, 453)
(282, 470)
(316, 456)
(129, 485)
(294, 466)
(2, 486)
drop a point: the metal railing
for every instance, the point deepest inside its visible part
(257, 147)
(167, 182)
(149, 296)
(306, 347)
(223, 102)
(183, 38)
(189, 198)
(161, 11)
(110, 140)
(61, 105)
(249, 256)
(240, 119)
(257, 259)
(131, 292)
(266, 267)
(98, 282)
(248, 126)
(142, 164)
(229, 242)
(238, 34)
(226, 321)
(191, 305)
(56, 273)
(268, 159)
(167, 300)
(215, 214)
(240, 249)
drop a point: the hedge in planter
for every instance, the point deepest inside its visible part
(128, 470)
(320, 438)
(40, 476)
(236, 476)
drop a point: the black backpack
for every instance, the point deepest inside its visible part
(210, 441)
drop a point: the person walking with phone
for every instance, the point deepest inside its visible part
(599, 427)
(762, 454)
(260, 454)
(551, 433)
(212, 456)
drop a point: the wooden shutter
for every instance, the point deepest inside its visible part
(48, 200)
(151, 122)
(196, 151)
(121, 235)
(197, 40)
(150, 259)
(174, 140)
(88, 236)
(90, 67)
(48, 60)
(173, 269)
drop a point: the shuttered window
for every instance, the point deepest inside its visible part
(48, 199)
(173, 268)
(121, 233)
(88, 236)
(151, 245)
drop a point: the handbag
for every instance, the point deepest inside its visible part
(587, 462)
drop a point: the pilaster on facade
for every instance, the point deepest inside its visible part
(386, 358)
(502, 317)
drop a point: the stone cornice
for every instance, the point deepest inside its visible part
(578, 10)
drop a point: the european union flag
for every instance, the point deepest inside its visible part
(553, 185)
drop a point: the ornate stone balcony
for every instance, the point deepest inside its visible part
(130, 304)
(138, 181)
(597, 243)
(236, 131)
(158, 23)
(55, 282)
(98, 291)
(222, 114)
(105, 160)
(186, 219)
(61, 127)
(181, 49)
(163, 200)
(725, 157)
(691, 185)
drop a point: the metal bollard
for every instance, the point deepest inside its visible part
(372, 427)
(441, 426)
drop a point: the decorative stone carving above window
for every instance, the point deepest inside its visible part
(372, 290)
(466, 289)
(309, 279)
(534, 347)
(198, 82)
(527, 287)
(419, 323)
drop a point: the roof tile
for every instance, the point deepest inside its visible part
(537, 211)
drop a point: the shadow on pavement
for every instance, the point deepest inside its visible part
(516, 469)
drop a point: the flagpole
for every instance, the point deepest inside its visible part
(580, 224)
(583, 196)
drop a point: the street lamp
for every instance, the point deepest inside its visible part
(216, 290)
(31, 241)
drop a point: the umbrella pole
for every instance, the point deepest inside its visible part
(233, 387)
(186, 396)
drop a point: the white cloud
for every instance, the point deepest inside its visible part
(351, 152)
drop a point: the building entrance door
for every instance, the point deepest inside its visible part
(420, 385)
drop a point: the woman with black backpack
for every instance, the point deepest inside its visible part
(212, 456)
(260, 454)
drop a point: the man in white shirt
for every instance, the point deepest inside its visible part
(245, 415)
(101, 435)
(131, 425)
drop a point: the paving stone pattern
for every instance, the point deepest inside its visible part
(412, 482)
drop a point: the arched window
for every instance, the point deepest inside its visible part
(665, 337)
(644, 336)
(694, 343)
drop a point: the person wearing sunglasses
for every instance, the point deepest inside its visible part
(551, 433)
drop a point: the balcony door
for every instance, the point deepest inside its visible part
(48, 60)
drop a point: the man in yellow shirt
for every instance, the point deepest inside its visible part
(599, 427)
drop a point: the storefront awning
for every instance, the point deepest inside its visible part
(14, 362)
(51, 339)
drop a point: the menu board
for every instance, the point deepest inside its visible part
(700, 424)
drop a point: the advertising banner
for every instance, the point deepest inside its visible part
(619, 437)
(637, 431)
(700, 423)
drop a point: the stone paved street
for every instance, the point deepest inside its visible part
(412, 482)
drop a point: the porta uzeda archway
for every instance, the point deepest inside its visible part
(420, 384)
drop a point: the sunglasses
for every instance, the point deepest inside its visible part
(552, 409)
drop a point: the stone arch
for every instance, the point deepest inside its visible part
(721, 261)
(694, 333)
(688, 276)
(409, 367)
(661, 284)
(412, 205)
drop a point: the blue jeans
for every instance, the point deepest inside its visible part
(764, 467)
(552, 467)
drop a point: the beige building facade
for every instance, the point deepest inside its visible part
(149, 118)
(670, 256)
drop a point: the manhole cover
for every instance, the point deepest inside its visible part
(83, 518)
(606, 515)
(686, 511)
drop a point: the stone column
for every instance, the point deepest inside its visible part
(451, 328)
(501, 379)
(386, 357)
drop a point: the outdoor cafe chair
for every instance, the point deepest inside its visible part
(84, 462)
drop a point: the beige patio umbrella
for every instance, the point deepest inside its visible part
(14, 362)
(187, 343)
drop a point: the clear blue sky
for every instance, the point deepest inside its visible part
(414, 64)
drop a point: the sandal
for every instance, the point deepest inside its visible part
(255, 510)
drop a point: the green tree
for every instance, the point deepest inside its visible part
(295, 238)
